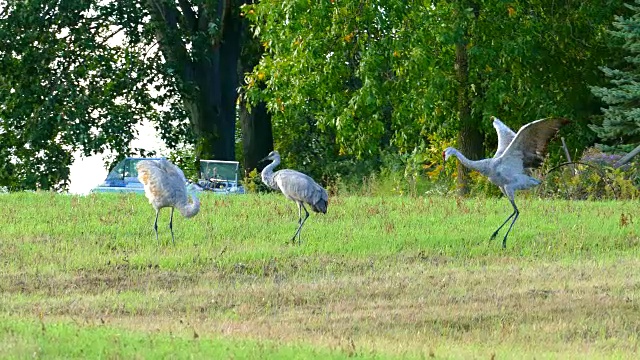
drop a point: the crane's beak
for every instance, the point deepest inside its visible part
(264, 159)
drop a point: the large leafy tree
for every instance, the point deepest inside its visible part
(64, 87)
(78, 75)
(357, 78)
(620, 128)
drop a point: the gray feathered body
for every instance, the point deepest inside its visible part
(300, 187)
(295, 186)
(516, 154)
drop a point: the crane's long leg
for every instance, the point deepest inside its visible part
(293, 239)
(171, 227)
(510, 194)
(300, 221)
(306, 215)
(155, 226)
(495, 233)
(517, 213)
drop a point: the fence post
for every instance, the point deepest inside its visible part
(625, 159)
(566, 153)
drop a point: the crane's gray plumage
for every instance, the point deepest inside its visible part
(505, 136)
(516, 153)
(295, 186)
(166, 186)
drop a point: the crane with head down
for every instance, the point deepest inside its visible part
(166, 186)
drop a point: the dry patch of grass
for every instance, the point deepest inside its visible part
(398, 306)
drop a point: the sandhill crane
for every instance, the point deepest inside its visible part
(297, 187)
(516, 153)
(166, 186)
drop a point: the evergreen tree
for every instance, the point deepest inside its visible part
(620, 129)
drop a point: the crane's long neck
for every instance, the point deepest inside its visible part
(267, 173)
(481, 166)
(190, 209)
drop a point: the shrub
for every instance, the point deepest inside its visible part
(592, 178)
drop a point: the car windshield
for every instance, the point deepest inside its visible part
(212, 169)
(125, 169)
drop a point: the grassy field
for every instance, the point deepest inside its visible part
(377, 277)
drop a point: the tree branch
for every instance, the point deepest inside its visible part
(165, 14)
(5, 8)
(189, 15)
(223, 9)
(149, 49)
(203, 19)
(106, 38)
(205, 16)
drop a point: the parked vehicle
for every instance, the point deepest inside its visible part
(123, 177)
(220, 176)
(215, 175)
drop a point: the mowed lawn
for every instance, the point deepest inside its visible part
(376, 277)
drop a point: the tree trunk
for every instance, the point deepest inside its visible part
(257, 135)
(229, 82)
(209, 115)
(470, 138)
(257, 138)
(207, 81)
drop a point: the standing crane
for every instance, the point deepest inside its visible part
(295, 186)
(516, 154)
(166, 186)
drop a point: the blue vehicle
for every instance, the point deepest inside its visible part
(123, 177)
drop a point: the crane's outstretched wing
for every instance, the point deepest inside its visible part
(530, 143)
(505, 136)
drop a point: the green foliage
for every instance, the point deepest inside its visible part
(70, 84)
(347, 81)
(593, 178)
(332, 82)
(184, 158)
(620, 128)
(79, 75)
(252, 182)
(64, 88)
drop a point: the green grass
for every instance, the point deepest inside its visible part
(375, 277)
(64, 340)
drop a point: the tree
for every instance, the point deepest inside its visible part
(620, 128)
(200, 43)
(64, 88)
(79, 75)
(330, 79)
(470, 137)
(349, 81)
(255, 122)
